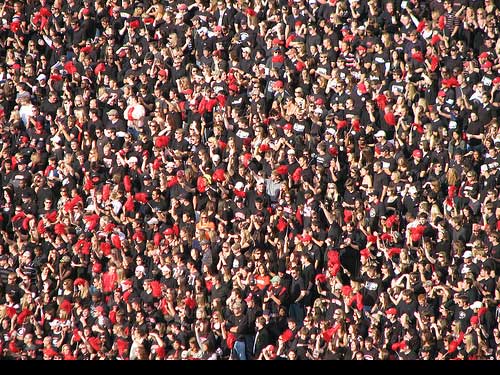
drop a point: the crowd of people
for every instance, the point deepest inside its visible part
(249, 180)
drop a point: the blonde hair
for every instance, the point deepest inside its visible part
(26, 302)
(3, 312)
(452, 177)
(160, 12)
(435, 212)
(469, 343)
(15, 116)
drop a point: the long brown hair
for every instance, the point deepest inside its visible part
(452, 177)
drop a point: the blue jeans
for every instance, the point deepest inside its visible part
(239, 348)
(296, 311)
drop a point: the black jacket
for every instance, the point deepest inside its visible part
(262, 339)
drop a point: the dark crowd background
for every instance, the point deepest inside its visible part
(249, 180)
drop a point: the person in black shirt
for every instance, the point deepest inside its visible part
(372, 287)
(376, 209)
(352, 241)
(146, 295)
(237, 324)
(297, 292)
(494, 249)
(462, 312)
(262, 337)
(380, 181)
(350, 195)
(467, 266)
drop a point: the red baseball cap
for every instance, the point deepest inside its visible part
(278, 84)
(391, 311)
(486, 65)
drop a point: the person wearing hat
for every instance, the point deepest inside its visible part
(292, 162)
(392, 328)
(380, 138)
(42, 88)
(167, 279)
(468, 266)
(115, 121)
(207, 257)
(361, 51)
(132, 161)
(275, 297)
(29, 205)
(419, 165)
(281, 95)
(245, 62)
(139, 274)
(22, 173)
(244, 34)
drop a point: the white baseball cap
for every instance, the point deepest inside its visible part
(152, 221)
(476, 305)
